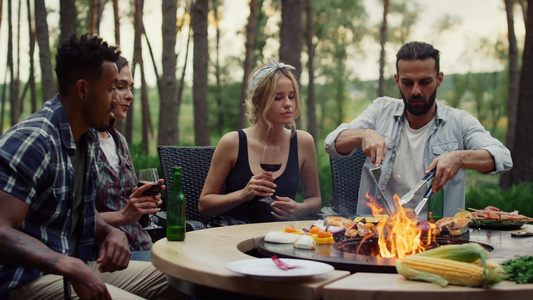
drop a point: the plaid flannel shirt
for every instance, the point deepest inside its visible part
(35, 167)
(114, 189)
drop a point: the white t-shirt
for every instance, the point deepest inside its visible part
(110, 150)
(408, 167)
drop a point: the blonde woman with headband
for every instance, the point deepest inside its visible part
(273, 104)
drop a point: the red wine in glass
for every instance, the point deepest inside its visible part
(270, 162)
(154, 190)
(270, 167)
(148, 176)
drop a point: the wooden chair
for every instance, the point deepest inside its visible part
(346, 177)
(194, 163)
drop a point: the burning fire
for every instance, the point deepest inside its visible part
(398, 234)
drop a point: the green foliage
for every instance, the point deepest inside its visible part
(142, 160)
(324, 175)
(224, 108)
(408, 12)
(518, 197)
(370, 88)
(337, 24)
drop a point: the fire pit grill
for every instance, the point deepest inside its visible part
(343, 255)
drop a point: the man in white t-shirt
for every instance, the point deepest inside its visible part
(412, 137)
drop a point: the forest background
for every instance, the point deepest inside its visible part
(191, 57)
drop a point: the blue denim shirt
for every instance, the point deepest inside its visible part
(35, 167)
(453, 129)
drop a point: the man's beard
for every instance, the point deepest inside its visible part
(107, 127)
(419, 110)
(110, 125)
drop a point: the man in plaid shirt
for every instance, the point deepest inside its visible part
(48, 224)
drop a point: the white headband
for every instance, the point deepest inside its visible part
(263, 72)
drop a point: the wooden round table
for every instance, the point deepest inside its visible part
(196, 266)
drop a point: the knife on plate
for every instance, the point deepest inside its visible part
(409, 195)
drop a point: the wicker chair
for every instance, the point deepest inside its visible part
(346, 176)
(194, 163)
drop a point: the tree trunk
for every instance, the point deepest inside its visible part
(145, 109)
(16, 96)
(248, 57)
(13, 84)
(31, 80)
(168, 115)
(41, 30)
(513, 87)
(68, 15)
(311, 112)
(522, 170)
(1, 11)
(291, 34)
(152, 57)
(137, 59)
(93, 16)
(121, 126)
(291, 37)
(99, 11)
(9, 65)
(182, 79)
(219, 122)
(3, 100)
(260, 36)
(523, 5)
(19, 99)
(200, 86)
(383, 41)
(151, 128)
(117, 22)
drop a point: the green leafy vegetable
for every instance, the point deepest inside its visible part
(519, 269)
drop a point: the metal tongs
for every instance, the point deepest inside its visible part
(421, 203)
(376, 174)
(409, 195)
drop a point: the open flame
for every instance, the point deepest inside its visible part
(398, 234)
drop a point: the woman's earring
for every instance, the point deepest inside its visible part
(83, 97)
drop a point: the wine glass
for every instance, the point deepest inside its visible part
(148, 176)
(270, 162)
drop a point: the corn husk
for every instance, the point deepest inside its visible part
(466, 264)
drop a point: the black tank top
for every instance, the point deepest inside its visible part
(254, 211)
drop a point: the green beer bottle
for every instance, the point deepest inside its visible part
(436, 206)
(176, 209)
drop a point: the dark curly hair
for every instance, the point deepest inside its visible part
(82, 59)
(418, 50)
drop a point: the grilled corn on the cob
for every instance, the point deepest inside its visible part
(454, 264)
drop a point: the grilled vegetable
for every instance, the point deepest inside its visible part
(464, 264)
(282, 265)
